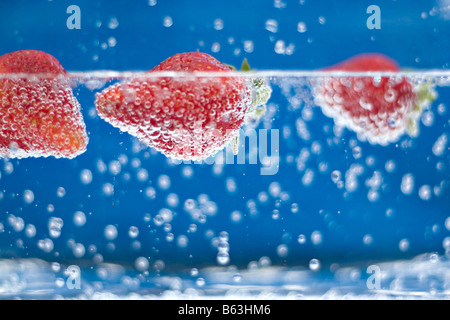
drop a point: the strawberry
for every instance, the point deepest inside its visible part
(39, 114)
(183, 116)
(378, 109)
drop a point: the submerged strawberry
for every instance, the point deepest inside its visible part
(182, 115)
(39, 115)
(378, 109)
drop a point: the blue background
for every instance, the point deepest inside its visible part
(142, 41)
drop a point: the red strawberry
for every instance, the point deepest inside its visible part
(183, 116)
(378, 109)
(39, 114)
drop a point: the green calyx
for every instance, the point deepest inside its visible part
(261, 94)
(425, 95)
(245, 66)
(261, 90)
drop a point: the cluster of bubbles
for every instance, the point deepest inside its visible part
(145, 109)
(423, 277)
(298, 93)
(223, 247)
(361, 170)
(36, 114)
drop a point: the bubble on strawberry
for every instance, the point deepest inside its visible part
(187, 118)
(380, 109)
(378, 114)
(36, 117)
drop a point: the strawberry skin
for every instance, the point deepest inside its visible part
(366, 62)
(379, 110)
(39, 114)
(30, 62)
(184, 117)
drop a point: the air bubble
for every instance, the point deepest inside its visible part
(159, 265)
(141, 264)
(237, 278)
(336, 176)
(30, 231)
(45, 245)
(112, 42)
(150, 193)
(308, 177)
(113, 23)
(8, 167)
(367, 240)
(78, 250)
(218, 24)
(390, 166)
(167, 22)
(390, 213)
(236, 216)
(182, 241)
(282, 250)
(230, 185)
(108, 189)
(301, 239)
(279, 4)
(301, 27)
(133, 232)
(172, 200)
(79, 219)
(314, 265)
(223, 258)
(427, 118)
(403, 245)
(187, 172)
(110, 232)
(425, 192)
(275, 214)
(440, 145)
(433, 258)
(164, 182)
(272, 26)
(274, 189)
(373, 195)
(114, 167)
(101, 166)
(407, 185)
(61, 192)
(265, 262)
(263, 197)
(142, 175)
(316, 238)
(200, 282)
(54, 227)
(248, 46)
(86, 176)
(28, 196)
(441, 108)
(215, 47)
(194, 272)
(280, 47)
